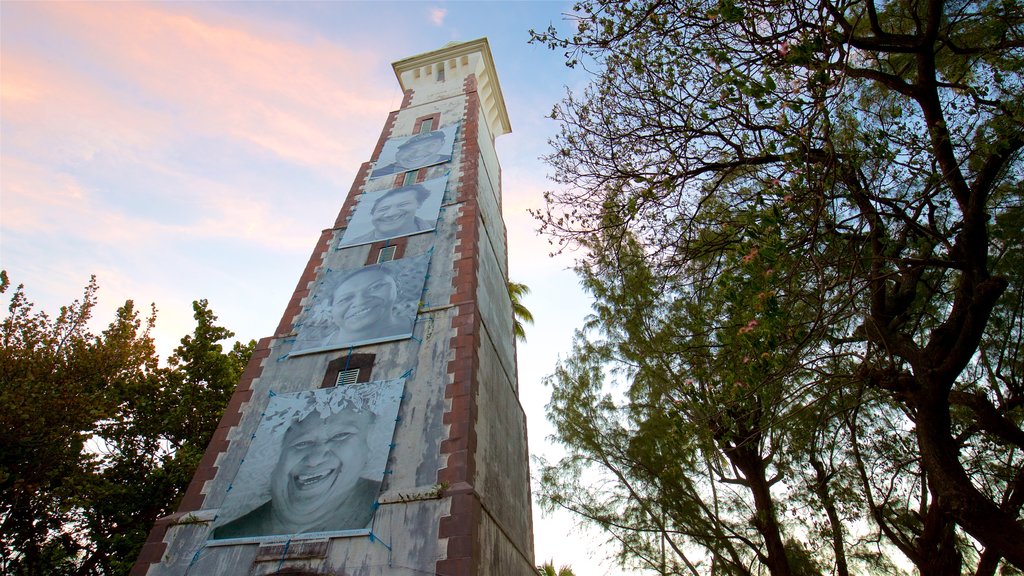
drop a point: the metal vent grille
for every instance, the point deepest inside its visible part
(346, 377)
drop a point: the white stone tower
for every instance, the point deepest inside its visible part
(391, 379)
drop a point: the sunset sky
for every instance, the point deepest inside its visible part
(196, 150)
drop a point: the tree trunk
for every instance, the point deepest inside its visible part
(823, 493)
(937, 543)
(971, 509)
(750, 463)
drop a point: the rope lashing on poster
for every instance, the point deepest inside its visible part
(284, 553)
(195, 558)
(348, 358)
(373, 524)
(282, 358)
(375, 538)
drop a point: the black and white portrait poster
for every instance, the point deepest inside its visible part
(365, 305)
(315, 464)
(402, 211)
(416, 151)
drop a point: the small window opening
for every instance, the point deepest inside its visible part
(410, 178)
(440, 72)
(386, 254)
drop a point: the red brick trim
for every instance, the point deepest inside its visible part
(460, 526)
(353, 196)
(386, 133)
(294, 308)
(407, 98)
(155, 547)
(463, 545)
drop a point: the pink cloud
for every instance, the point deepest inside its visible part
(437, 16)
(129, 85)
(287, 94)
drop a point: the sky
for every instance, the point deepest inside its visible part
(193, 150)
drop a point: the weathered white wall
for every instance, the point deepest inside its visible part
(411, 508)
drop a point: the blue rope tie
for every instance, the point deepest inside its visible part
(375, 538)
(348, 358)
(283, 554)
(195, 558)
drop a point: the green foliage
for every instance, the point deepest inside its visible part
(97, 440)
(548, 569)
(520, 314)
(801, 224)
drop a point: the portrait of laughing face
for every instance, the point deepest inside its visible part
(364, 303)
(420, 150)
(321, 461)
(395, 213)
(316, 464)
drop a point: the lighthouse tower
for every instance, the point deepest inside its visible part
(379, 430)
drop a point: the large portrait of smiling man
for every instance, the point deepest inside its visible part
(396, 212)
(315, 464)
(366, 305)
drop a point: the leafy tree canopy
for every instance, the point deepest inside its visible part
(97, 440)
(802, 225)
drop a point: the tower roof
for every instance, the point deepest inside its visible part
(487, 78)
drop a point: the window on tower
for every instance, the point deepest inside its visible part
(349, 369)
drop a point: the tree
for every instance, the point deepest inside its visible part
(94, 443)
(520, 314)
(548, 569)
(823, 200)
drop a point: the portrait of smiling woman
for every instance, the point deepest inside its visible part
(402, 211)
(330, 447)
